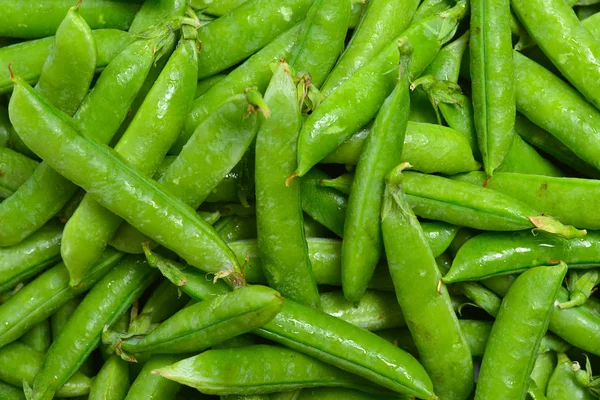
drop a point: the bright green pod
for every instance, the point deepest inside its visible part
(542, 369)
(428, 8)
(15, 169)
(362, 246)
(150, 385)
(59, 319)
(425, 302)
(280, 232)
(515, 337)
(325, 393)
(523, 158)
(5, 127)
(325, 205)
(204, 85)
(8, 392)
(39, 337)
(112, 382)
(563, 383)
(154, 12)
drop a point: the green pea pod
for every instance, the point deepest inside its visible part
(164, 301)
(492, 80)
(196, 171)
(38, 337)
(421, 141)
(576, 325)
(31, 256)
(228, 371)
(463, 204)
(9, 392)
(199, 326)
(523, 158)
(233, 37)
(293, 395)
(495, 253)
(446, 65)
(563, 383)
(118, 186)
(381, 22)
(517, 332)
(82, 333)
(153, 12)
(581, 287)
(120, 327)
(281, 242)
(375, 310)
(481, 296)
(15, 169)
(146, 141)
(150, 385)
(59, 319)
(248, 397)
(40, 298)
(325, 393)
(424, 301)
(236, 227)
(431, 7)
(325, 205)
(112, 382)
(542, 369)
(5, 127)
(362, 246)
(218, 8)
(326, 22)
(20, 363)
(571, 47)
(29, 23)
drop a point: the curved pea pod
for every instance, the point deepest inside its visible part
(464, 204)
(542, 369)
(446, 65)
(199, 326)
(40, 298)
(144, 144)
(39, 337)
(233, 37)
(381, 22)
(495, 253)
(226, 371)
(581, 287)
(112, 382)
(523, 158)
(237, 227)
(510, 354)
(24, 21)
(326, 22)
(5, 128)
(424, 301)
(31, 256)
(20, 363)
(124, 284)
(29, 57)
(153, 12)
(421, 141)
(149, 384)
(9, 392)
(325, 205)
(563, 383)
(255, 71)
(15, 169)
(117, 186)
(362, 246)
(540, 94)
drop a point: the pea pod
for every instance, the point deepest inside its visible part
(146, 141)
(510, 354)
(40, 298)
(581, 287)
(38, 337)
(227, 371)
(20, 363)
(326, 393)
(425, 303)
(362, 246)
(118, 186)
(153, 12)
(15, 169)
(9, 392)
(542, 369)
(31, 256)
(125, 284)
(523, 158)
(325, 205)
(112, 382)
(5, 127)
(563, 383)
(149, 384)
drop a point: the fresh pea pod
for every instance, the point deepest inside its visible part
(40, 298)
(563, 383)
(20, 363)
(5, 127)
(15, 169)
(144, 144)
(31, 256)
(237, 227)
(150, 385)
(424, 301)
(523, 158)
(112, 382)
(362, 246)
(9, 392)
(325, 205)
(153, 12)
(39, 337)
(510, 354)
(227, 371)
(325, 393)
(581, 287)
(118, 186)
(542, 369)
(83, 330)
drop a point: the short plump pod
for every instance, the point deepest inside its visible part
(563, 384)
(572, 48)
(117, 186)
(362, 246)
(30, 22)
(29, 57)
(40, 298)
(233, 37)
(256, 370)
(502, 253)
(421, 141)
(425, 303)
(31, 256)
(150, 385)
(558, 108)
(15, 169)
(280, 231)
(520, 324)
(105, 303)
(112, 382)
(381, 22)
(199, 326)
(20, 363)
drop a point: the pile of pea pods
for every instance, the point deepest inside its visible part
(299, 199)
